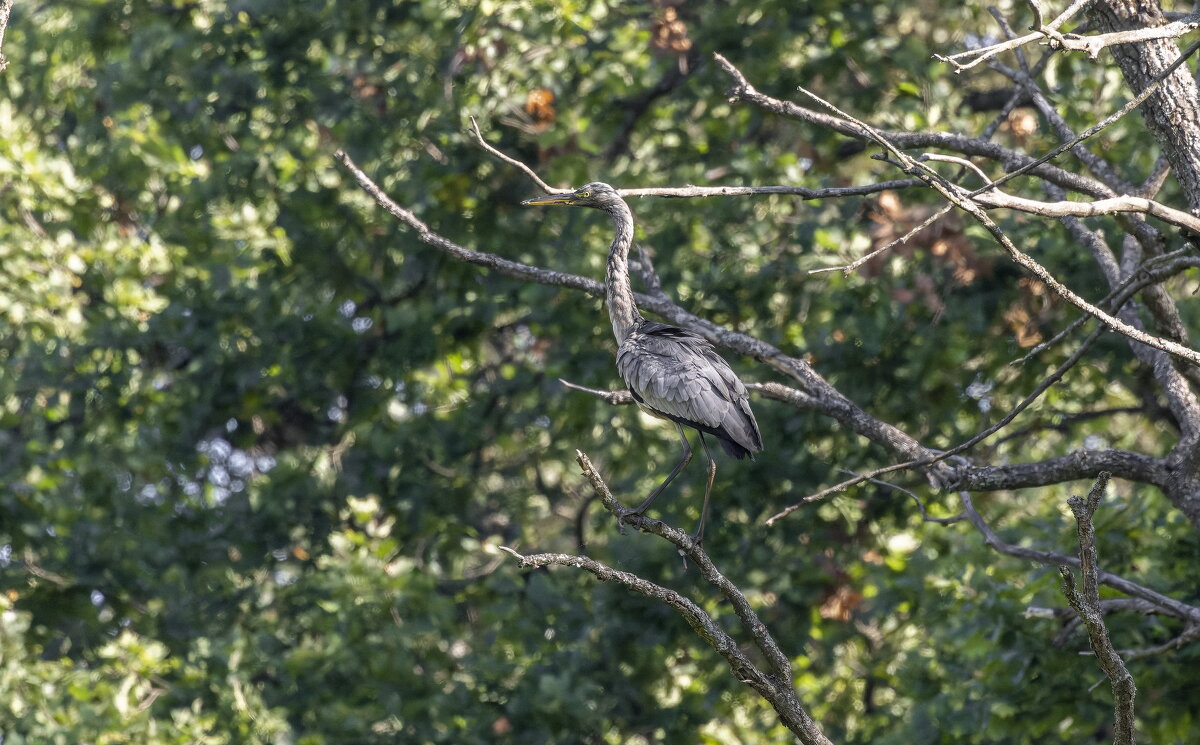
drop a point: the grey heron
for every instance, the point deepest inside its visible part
(672, 373)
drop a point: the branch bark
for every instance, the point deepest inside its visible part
(1173, 113)
(5, 14)
(1086, 603)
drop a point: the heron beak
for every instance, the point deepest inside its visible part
(564, 198)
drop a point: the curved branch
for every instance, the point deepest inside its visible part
(781, 667)
(776, 687)
(702, 623)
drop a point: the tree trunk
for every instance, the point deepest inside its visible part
(1172, 114)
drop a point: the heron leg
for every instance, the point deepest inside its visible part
(683, 461)
(712, 474)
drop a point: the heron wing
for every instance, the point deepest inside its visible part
(680, 375)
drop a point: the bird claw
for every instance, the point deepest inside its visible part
(622, 514)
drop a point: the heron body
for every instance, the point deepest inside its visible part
(671, 372)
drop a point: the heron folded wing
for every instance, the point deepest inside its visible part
(679, 374)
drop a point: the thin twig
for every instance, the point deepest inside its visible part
(852, 266)
(614, 398)
(920, 505)
(511, 161)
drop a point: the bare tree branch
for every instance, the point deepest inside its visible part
(833, 192)
(1012, 160)
(481, 142)
(1080, 464)
(703, 624)
(1087, 605)
(1109, 206)
(965, 201)
(1041, 32)
(776, 686)
(1167, 605)
(1189, 635)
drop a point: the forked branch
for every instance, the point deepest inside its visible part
(1086, 603)
(774, 685)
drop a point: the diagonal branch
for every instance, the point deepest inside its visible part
(479, 140)
(703, 624)
(964, 201)
(1011, 159)
(781, 667)
(776, 686)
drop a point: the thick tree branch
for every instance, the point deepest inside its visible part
(1081, 464)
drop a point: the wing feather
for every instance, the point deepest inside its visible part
(680, 375)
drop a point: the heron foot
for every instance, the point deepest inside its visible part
(622, 514)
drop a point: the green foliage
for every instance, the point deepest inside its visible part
(260, 446)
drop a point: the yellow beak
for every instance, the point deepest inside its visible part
(565, 198)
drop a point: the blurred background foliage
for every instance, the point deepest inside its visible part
(259, 446)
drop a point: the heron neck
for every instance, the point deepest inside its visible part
(622, 310)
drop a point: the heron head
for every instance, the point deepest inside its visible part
(596, 194)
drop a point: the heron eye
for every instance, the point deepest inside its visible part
(585, 194)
